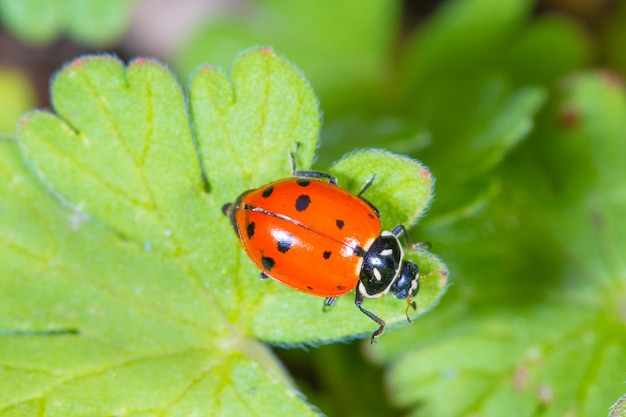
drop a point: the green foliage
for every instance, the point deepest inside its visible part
(87, 21)
(498, 99)
(129, 290)
(549, 334)
(340, 46)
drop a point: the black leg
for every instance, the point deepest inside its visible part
(328, 302)
(367, 185)
(227, 209)
(400, 230)
(363, 189)
(309, 174)
(263, 275)
(47, 332)
(358, 300)
(315, 174)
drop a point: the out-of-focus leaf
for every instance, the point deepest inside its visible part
(340, 46)
(87, 21)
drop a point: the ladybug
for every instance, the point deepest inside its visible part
(311, 235)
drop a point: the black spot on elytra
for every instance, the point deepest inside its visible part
(327, 254)
(250, 230)
(268, 191)
(302, 202)
(371, 216)
(340, 287)
(303, 182)
(339, 224)
(285, 242)
(268, 263)
(308, 287)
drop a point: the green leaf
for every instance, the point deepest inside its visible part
(519, 359)
(87, 21)
(104, 152)
(124, 286)
(16, 96)
(586, 127)
(269, 112)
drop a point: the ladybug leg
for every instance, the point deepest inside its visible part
(358, 300)
(315, 174)
(309, 174)
(364, 188)
(367, 185)
(328, 302)
(227, 209)
(400, 230)
(409, 299)
(263, 275)
(410, 303)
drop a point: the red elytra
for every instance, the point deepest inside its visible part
(311, 235)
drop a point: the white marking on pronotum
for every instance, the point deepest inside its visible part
(363, 291)
(386, 252)
(359, 265)
(377, 274)
(366, 247)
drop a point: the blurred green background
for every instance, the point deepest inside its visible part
(519, 110)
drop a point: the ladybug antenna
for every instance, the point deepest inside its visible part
(421, 245)
(437, 271)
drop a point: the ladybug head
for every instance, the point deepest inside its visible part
(407, 282)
